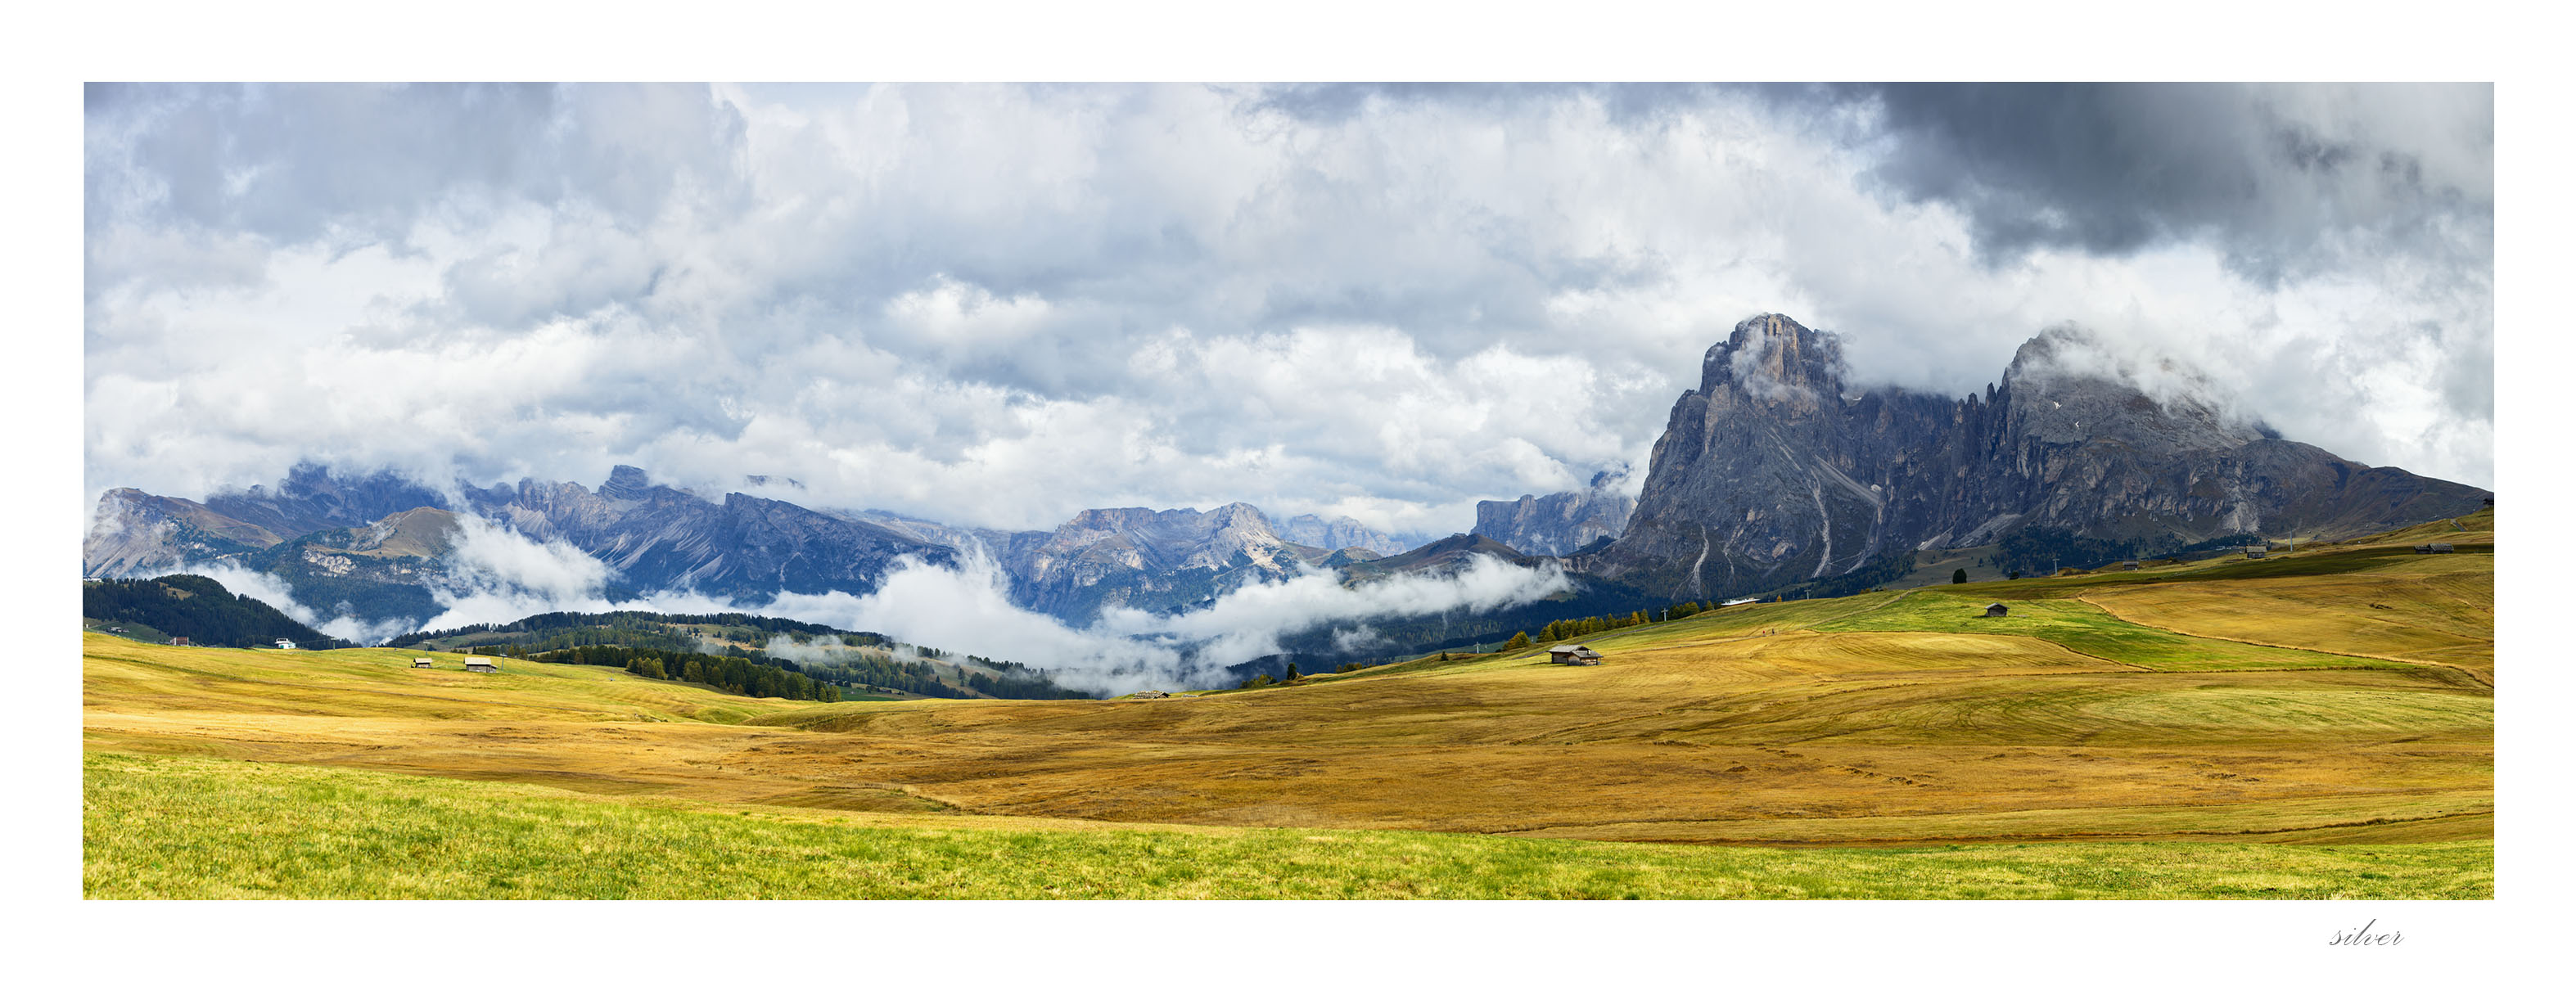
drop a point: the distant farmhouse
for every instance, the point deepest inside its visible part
(2128, 564)
(479, 665)
(2256, 552)
(1572, 654)
(183, 641)
(1997, 610)
(422, 663)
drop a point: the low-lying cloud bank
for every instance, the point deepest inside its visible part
(495, 575)
(273, 591)
(967, 610)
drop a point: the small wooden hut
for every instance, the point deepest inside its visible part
(1573, 654)
(1997, 610)
(480, 665)
(2256, 552)
(421, 663)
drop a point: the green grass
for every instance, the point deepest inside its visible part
(174, 827)
(2082, 627)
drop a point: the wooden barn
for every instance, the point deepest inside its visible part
(1997, 610)
(480, 665)
(2256, 552)
(1573, 654)
(2128, 564)
(421, 663)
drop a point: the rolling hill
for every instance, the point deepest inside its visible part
(2225, 727)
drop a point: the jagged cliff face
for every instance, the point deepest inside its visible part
(1558, 524)
(1772, 473)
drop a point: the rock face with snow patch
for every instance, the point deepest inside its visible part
(1770, 473)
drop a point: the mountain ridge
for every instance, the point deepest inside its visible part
(1771, 473)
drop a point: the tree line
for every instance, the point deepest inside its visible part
(758, 628)
(199, 609)
(756, 676)
(1571, 628)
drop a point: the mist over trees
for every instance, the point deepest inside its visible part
(199, 609)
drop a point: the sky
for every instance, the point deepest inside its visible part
(998, 305)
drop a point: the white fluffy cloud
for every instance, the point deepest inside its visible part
(492, 575)
(997, 305)
(967, 610)
(273, 591)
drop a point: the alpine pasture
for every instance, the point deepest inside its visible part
(2313, 724)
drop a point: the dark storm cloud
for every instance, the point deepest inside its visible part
(2272, 171)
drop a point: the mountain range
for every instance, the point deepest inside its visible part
(1769, 473)
(317, 534)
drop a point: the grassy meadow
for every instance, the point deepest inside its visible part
(160, 827)
(2317, 724)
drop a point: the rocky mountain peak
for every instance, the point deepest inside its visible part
(626, 483)
(1242, 516)
(1771, 358)
(2069, 385)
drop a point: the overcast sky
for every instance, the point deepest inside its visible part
(998, 305)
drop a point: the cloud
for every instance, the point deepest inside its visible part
(494, 575)
(273, 591)
(997, 305)
(1247, 623)
(967, 610)
(2277, 173)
